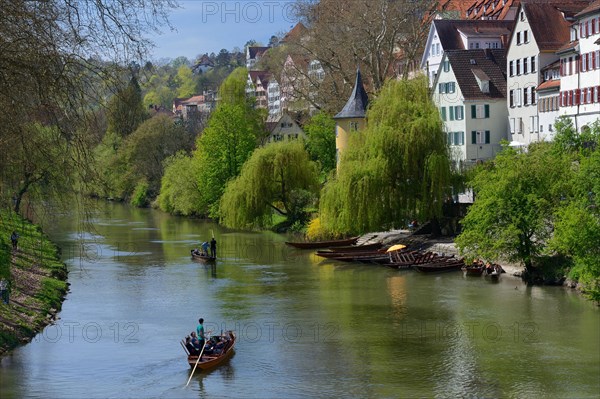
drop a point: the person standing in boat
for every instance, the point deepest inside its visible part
(213, 248)
(200, 332)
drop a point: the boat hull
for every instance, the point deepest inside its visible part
(210, 361)
(202, 258)
(322, 244)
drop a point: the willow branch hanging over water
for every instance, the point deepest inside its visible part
(397, 169)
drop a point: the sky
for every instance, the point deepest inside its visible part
(205, 26)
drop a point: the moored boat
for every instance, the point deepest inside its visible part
(357, 248)
(475, 271)
(221, 349)
(335, 255)
(322, 244)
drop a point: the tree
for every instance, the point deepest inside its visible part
(321, 140)
(180, 192)
(371, 34)
(126, 110)
(278, 177)
(53, 69)
(186, 82)
(397, 169)
(516, 196)
(233, 132)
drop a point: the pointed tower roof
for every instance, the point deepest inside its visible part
(356, 107)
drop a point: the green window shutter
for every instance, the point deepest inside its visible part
(487, 136)
(487, 110)
(451, 112)
(473, 111)
(473, 137)
(443, 113)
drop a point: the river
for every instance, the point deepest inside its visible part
(306, 328)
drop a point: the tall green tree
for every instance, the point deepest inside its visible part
(180, 193)
(321, 140)
(280, 178)
(397, 169)
(186, 82)
(126, 110)
(516, 197)
(233, 132)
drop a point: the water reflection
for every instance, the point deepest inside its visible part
(306, 328)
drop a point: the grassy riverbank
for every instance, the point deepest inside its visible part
(37, 281)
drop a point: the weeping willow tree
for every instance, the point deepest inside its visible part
(395, 170)
(279, 178)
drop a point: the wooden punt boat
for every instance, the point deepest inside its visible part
(380, 258)
(334, 255)
(357, 248)
(210, 360)
(442, 264)
(322, 244)
(474, 271)
(203, 258)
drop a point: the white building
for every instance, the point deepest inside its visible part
(580, 69)
(274, 97)
(470, 92)
(283, 127)
(540, 29)
(447, 35)
(548, 100)
(253, 55)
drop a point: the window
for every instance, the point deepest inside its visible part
(588, 98)
(522, 16)
(518, 38)
(511, 99)
(512, 125)
(443, 110)
(456, 138)
(533, 95)
(480, 137)
(519, 125)
(533, 63)
(457, 112)
(525, 65)
(525, 38)
(446, 66)
(533, 124)
(480, 111)
(583, 62)
(511, 69)
(353, 126)
(451, 87)
(442, 88)
(597, 56)
(518, 67)
(525, 96)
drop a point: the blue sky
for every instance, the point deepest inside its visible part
(205, 26)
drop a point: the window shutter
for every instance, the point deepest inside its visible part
(444, 114)
(473, 112)
(487, 137)
(487, 110)
(473, 137)
(451, 112)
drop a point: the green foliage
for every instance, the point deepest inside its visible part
(186, 82)
(139, 157)
(139, 197)
(180, 192)
(278, 177)
(233, 131)
(321, 141)
(516, 196)
(126, 110)
(395, 170)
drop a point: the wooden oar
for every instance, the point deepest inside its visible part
(197, 360)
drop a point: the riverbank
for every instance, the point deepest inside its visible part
(37, 281)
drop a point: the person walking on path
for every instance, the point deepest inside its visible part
(14, 238)
(4, 291)
(213, 248)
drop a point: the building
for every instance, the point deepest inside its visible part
(256, 86)
(548, 100)
(274, 97)
(580, 69)
(283, 127)
(541, 28)
(253, 55)
(352, 117)
(470, 92)
(188, 108)
(447, 35)
(493, 9)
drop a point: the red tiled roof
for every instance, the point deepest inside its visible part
(298, 31)
(256, 51)
(547, 20)
(568, 46)
(449, 35)
(592, 8)
(549, 84)
(468, 63)
(264, 77)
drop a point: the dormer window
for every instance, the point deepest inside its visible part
(482, 78)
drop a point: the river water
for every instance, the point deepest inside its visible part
(306, 328)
